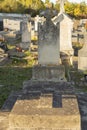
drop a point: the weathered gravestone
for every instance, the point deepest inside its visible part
(44, 103)
(82, 55)
(48, 67)
(25, 34)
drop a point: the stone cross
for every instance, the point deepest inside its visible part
(62, 10)
(48, 14)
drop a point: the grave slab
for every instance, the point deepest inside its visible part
(40, 114)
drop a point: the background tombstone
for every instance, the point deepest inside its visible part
(66, 37)
(82, 55)
(66, 26)
(66, 34)
(36, 23)
(25, 34)
(48, 51)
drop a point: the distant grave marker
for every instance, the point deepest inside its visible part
(82, 55)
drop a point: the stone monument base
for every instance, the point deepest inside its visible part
(48, 73)
(41, 113)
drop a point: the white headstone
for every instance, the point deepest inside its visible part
(26, 35)
(82, 55)
(66, 26)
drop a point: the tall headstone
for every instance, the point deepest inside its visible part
(66, 27)
(82, 55)
(47, 101)
(48, 51)
(48, 43)
(66, 37)
(25, 34)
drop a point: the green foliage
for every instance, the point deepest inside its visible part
(69, 8)
(11, 6)
(83, 9)
(47, 2)
(19, 6)
(14, 76)
(57, 6)
(77, 10)
(20, 62)
(12, 79)
(85, 72)
(37, 4)
(23, 62)
(77, 45)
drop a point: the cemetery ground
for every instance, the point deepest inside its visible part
(11, 79)
(13, 73)
(18, 69)
(15, 69)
